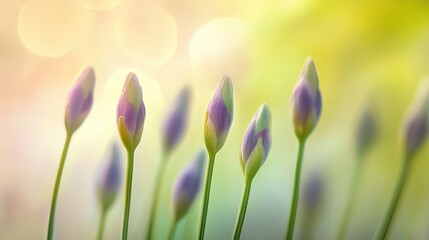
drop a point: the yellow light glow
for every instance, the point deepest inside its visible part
(219, 47)
(53, 28)
(100, 5)
(147, 33)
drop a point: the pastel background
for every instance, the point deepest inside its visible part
(366, 52)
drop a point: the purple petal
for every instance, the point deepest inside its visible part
(219, 115)
(126, 110)
(304, 102)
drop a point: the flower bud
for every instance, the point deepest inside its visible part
(79, 100)
(110, 179)
(366, 131)
(306, 101)
(312, 194)
(219, 116)
(256, 142)
(177, 119)
(131, 113)
(188, 186)
(416, 124)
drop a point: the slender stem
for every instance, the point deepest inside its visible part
(350, 201)
(242, 211)
(205, 205)
(295, 197)
(384, 227)
(57, 187)
(156, 192)
(128, 194)
(172, 230)
(101, 224)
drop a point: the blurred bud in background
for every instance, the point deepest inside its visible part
(416, 123)
(256, 142)
(306, 101)
(312, 197)
(187, 186)
(110, 179)
(313, 192)
(80, 100)
(366, 131)
(131, 113)
(219, 116)
(177, 120)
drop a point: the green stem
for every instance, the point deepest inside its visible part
(205, 205)
(128, 194)
(101, 224)
(384, 227)
(350, 201)
(172, 230)
(156, 192)
(295, 197)
(57, 187)
(242, 211)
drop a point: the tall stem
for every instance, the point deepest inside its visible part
(384, 227)
(172, 230)
(57, 187)
(205, 204)
(243, 208)
(350, 200)
(295, 197)
(128, 194)
(156, 192)
(101, 224)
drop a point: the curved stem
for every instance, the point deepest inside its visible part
(384, 227)
(205, 204)
(128, 194)
(350, 201)
(57, 187)
(156, 192)
(101, 224)
(172, 230)
(295, 197)
(242, 211)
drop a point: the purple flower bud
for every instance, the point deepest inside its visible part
(416, 124)
(110, 179)
(366, 131)
(131, 113)
(188, 186)
(79, 100)
(313, 191)
(306, 101)
(177, 119)
(219, 116)
(256, 142)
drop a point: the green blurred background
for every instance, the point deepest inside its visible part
(366, 52)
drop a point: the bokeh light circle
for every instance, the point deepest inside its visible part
(53, 28)
(147, 33)
(220, 47)
(100, 5)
